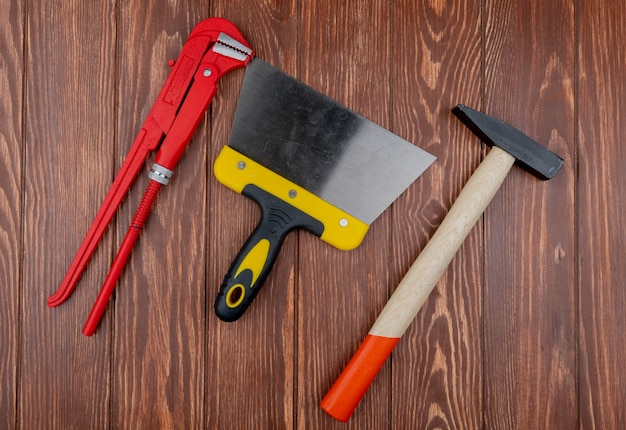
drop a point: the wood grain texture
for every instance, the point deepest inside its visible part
(601, 230)
(437, 364)
(525, 328)
(69, 126)
(343, 52)
(11, 151)
(159, 315)
(250, 363)
(530, 266)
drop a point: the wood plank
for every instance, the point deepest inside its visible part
(11, 150)
(523, 331)
(601, 230)
(70, 76)
(437, 364)
(159, 315)
(344, 53)
(530, 263)
(249, 368)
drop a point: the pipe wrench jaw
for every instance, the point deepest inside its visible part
(232, 48)
(223, 49)
(223, 54)
(226, 54)
(226, 41)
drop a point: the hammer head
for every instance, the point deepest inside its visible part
(530, 155)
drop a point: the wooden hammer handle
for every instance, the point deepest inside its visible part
(417, 284)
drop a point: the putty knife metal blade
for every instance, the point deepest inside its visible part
(310, 139)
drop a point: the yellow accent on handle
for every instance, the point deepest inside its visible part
(255, 260)
(341, 230)
(237, 288)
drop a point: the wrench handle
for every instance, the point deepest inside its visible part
(122, 256)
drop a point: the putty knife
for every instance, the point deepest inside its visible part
(310, 163)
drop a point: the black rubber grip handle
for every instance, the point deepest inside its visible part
(256, 258)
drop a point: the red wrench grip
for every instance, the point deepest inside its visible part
(143, 211)
(200, 95)
(125, 177)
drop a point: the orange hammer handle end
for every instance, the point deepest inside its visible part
(349, 388)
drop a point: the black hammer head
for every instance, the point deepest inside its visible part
(529, 154)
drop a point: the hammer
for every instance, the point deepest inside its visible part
(509, 145)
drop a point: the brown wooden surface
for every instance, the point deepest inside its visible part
(524, 330)
(530, 285)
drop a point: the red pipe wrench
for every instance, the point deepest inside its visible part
(214, 48)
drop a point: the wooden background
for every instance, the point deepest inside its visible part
(524, 331)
